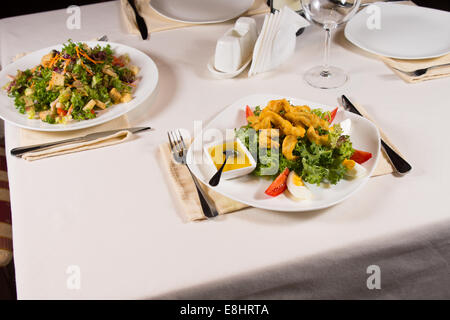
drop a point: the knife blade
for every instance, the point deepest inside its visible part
(18, 152)
(139, 20)
(401, 166)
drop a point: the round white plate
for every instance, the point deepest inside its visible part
(148, 76)
(250, 189)
(405, 32)
(201, 11)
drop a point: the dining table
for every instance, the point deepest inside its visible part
(109, 215)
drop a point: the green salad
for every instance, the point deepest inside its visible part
(304, 142)
(73, 84)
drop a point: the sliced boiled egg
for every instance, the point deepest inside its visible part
(297, 187)
(354, 169)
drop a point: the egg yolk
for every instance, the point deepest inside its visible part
(348, 164)
(296, 180)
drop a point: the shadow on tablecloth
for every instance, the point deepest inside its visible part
(412, 266)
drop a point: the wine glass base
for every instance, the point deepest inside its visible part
(333, 78)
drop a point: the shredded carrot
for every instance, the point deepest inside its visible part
(54, 60)
(69, 112)
(81, 61)
(65, 66)
(32, 85)
(81, 51)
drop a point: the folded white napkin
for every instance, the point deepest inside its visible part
(276, 42)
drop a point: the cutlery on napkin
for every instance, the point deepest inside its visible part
(384, 165)
(80, 143)
(404, 68)
(400, 165)
(155, 22)
(185, 191)
(31, 137)
(140, 22)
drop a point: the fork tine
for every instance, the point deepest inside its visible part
(177, 142)
(174, 142)
(182, 140)
(170, 140)
(177, 134)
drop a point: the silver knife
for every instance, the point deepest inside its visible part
(18, 152)
(400, 165)
(139, 20)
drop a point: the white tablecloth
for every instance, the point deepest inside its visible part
(109, 212)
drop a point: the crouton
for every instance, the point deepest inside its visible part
(126, 98)
(89, 105)
(115, 95)
(109, 71)
(56, 80)
(135, 70)
(45, 61)
(100, 104)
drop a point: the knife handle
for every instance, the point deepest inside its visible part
(400, 164)
(18, 152)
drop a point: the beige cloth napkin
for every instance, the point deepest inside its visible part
(31, 137)
(186, 193)
(411, 65)
(155, 22)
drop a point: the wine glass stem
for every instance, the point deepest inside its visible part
(326, 64)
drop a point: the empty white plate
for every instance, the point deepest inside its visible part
(201, 11)
(403, 32)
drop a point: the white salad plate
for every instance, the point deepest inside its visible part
(147, 81)
(403, 32)
(201, 11)
(250, 189)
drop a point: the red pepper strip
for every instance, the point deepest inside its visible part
(117, 62)
(248, 112)
(360, 156)
(278, 185)
(332, 116)
(61, 112)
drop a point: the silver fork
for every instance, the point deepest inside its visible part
(179, 153)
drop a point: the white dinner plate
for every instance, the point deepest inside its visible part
(250, 189)
(201, 11)
(405, 32)
(148, 79)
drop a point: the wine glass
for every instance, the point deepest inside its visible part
(329, 14)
